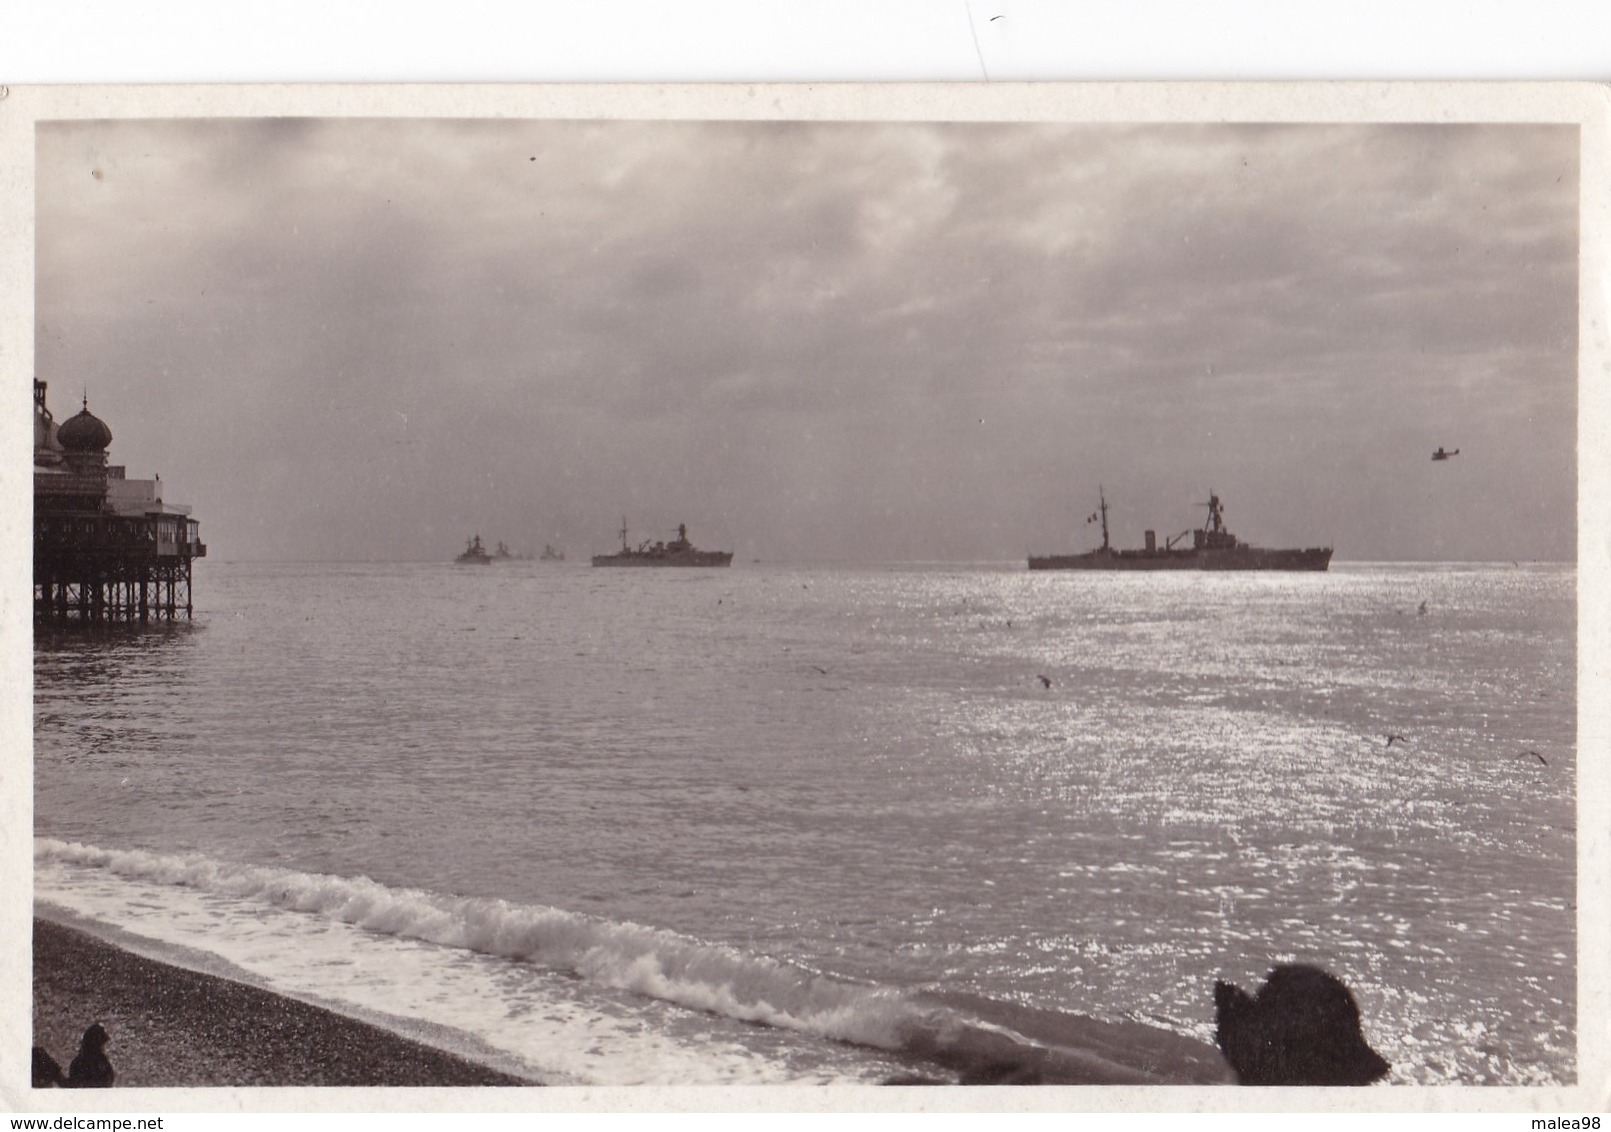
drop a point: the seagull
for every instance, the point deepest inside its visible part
(1391, 739)
(820, 669)
(1535, 755)
(1422, 611)
(1045, 681)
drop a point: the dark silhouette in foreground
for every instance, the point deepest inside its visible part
(46, 1073)
(90, 1069)
(1302, 1028)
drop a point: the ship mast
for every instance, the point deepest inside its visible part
(1102, 495)
(623, 534)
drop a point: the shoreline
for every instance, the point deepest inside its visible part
(173, 1027)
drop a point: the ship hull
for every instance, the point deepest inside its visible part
(1237, 558)
(694, 558)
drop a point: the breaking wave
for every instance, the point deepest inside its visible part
(980, 1039)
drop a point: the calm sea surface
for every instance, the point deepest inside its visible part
(595, 825)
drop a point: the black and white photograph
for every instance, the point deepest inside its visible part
(809, 589)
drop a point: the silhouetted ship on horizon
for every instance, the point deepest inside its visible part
(1212, 548)
(474, 554)
(678, 552)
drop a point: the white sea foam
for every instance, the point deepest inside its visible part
(358, 944)
(653, 963)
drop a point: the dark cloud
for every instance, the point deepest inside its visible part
(836, 340)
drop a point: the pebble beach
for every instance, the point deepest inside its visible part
(175, 1027)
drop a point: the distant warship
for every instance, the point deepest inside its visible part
(474, 554)
(679, 552)
(1213, 548)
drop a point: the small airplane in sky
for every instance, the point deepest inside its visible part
(1440, 454)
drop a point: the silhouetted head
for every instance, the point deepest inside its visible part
(1302, 1028)
(90, 1069)
(46, 1073)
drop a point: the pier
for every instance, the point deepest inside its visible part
(107, 549)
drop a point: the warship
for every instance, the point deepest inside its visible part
(1212, 547)
(474, 554)
(678, 552)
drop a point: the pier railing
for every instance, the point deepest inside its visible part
(116, 536)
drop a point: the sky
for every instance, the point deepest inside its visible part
(344, 339)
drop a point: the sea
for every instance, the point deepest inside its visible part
(778, 825)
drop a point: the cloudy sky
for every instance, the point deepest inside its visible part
(345, 339)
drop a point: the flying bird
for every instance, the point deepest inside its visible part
(1391, 739)
(1535, 755)
(1045, 681)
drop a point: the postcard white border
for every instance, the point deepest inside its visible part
(1587, 105)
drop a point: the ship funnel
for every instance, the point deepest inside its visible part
(1152, 541)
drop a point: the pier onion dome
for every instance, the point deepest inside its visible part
(84, 433)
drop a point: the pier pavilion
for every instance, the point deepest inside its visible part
(107, 549)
